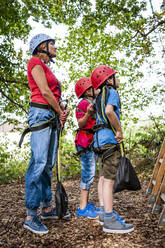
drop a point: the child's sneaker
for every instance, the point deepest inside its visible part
(87, 212)
(52, 214)
(93, 207)
(101, 217)
(115, 225)
(35, 225)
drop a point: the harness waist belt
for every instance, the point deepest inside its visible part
(88, 131)
(41, 105)
(39, 126)
(101, 126)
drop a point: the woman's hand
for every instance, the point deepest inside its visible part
(63, 117)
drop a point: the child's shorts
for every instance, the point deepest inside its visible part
(88, 169)
(108, 165)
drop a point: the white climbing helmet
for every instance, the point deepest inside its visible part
(37, 40)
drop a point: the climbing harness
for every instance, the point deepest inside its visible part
(101, 102)
(39, 126)
(44, 124)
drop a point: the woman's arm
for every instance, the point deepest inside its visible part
(41, 81)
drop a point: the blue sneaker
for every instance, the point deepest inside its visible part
(52, 214)
(87, 212)
(93, 207)
(35, 225)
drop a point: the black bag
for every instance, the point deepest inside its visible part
(61, 200)
(126, 177)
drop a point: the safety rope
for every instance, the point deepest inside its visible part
(152, 8)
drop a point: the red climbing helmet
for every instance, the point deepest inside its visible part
(100, 74)
(82, 85)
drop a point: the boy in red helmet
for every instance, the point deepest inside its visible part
(106, 144)
(84, 141)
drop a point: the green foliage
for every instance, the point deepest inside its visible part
(117, 33)
(143, 144)
(13, 164)
(70, 163)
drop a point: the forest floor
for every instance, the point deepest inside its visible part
(80, 232)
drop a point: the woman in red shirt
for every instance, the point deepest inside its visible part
(45, 108)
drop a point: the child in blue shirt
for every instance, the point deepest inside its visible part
(106, 144)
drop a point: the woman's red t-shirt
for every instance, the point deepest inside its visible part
(54, 86)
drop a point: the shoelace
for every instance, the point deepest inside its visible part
(93, 206)
(118, 219)
(38, 222)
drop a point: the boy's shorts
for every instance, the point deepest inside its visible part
(109, 164)
(88, 169)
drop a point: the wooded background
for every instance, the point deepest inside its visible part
(128, 35)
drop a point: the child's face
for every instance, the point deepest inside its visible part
(89, 91)
(110, 81)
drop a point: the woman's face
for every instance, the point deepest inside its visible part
(52, 49)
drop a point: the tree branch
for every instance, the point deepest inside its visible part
(17, 104)
(152, 29)
(13, 81)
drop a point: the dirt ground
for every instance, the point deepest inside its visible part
(80, 232)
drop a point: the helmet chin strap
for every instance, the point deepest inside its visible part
(47, 52)
(114, 82)
(90, 96)
(93, 94)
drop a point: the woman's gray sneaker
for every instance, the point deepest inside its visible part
(115, 225)
(52, 215)
(35, 225)
(101, 217)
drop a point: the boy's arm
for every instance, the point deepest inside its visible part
(112, 117)
(82, 121)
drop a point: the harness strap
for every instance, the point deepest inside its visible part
(84, 150)
(97, 127)
(108, 153)
(41, 105)
(80, 110)
(39, 126)
(33, 129)
(88, 131)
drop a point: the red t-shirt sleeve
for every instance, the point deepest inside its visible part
(34, 61)
(81, 106)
